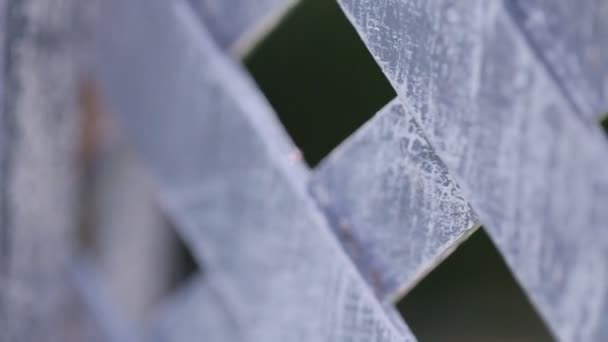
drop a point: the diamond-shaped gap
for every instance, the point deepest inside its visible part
(472, 296)
(141, 258)
(319, 77)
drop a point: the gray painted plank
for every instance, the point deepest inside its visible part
(228, 176)
(572, 38)
(397, 210)
(535, 173)
(4, 158)
(38, 148)
(136, 247)
(107, 319)
(237, 25)
(197, 312)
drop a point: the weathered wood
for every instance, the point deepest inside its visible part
(231, 179)
(237, 25)
(134, 249)
(4, 159)
(4, 164)
(116, 168)
(37, 185)
(571, 37)
(137, 251)
(534, 172)
(395, 207)
(195, 313)
(108, 322)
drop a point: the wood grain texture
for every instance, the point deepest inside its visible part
(232, 181)
(571, 37)
(534, 172)
(395, 207)
(37, 188)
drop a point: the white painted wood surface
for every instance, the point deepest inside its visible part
(196, 312)
(232, 180)
(571, 37)
(494, 115)
(393, 203)
(38, 142)
(136, 250)
(237, 25)
(127, 222)
(535, 173)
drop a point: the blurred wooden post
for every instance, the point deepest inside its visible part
(38, 177)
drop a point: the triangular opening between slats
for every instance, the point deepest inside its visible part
(319, 77)
(472, 296)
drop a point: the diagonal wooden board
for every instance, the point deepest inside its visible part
(571, 37)
(232, 180)
(532, 169)
(195, 312)
(394, 205)
(237, 25)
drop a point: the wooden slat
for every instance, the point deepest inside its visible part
(394, 204)
(141, 236)
(232, 180)
(196, 312)
(38, 139)
(4, 157)
(106, 318)
(571, 37)
(237, 25)
(136, 248)
(534, 172)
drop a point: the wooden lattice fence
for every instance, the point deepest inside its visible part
(495, 123)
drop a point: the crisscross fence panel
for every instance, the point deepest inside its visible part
(494, 124)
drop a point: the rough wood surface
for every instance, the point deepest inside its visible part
(395, 207)
(533, 171)
(232, 180)
(493, 115)
(571, 37)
